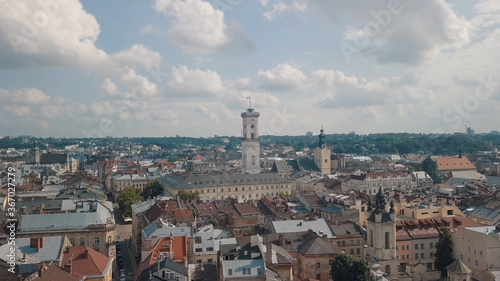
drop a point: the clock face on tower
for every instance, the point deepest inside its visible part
(252, 126)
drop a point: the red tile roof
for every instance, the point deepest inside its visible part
(183, 215)
(454, 164)
(205, 209)
(92, 263)
(177, 245)
(55, 273)
(246, 209)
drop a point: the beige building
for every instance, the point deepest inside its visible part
(94, 229)
(429, 210)
(119, 181)
(238, 186)
(479, 249)
(371, 181)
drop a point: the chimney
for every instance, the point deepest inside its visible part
(69, 265)
(36, 243)
(86, 253)
(280, 240)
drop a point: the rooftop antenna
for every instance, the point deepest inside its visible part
(250, 101)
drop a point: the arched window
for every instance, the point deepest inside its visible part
(388, 269)
(387, 240)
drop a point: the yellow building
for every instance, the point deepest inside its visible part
(238, 186)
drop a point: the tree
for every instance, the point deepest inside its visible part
(152, 189)
(188, 195)
(128, 196)
(347, 268)
(444, 248)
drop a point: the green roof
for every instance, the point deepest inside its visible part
(458, 267)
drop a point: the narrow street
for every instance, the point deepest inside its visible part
(123, 250)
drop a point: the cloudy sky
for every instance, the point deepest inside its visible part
(72, 68)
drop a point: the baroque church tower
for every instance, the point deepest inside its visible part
(381, 235)
(322, 155)
(250, 143)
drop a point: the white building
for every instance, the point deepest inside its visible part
(479, 249)
(371, 181)
(250, 143)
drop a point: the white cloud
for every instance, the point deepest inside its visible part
(25, 95)
(279, 8)
(199, 28)
(194, 82)
(62, 34)
(108, 86)
(137, 55)
(206, 112)
(284, 77)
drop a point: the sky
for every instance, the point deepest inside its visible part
(155, 68)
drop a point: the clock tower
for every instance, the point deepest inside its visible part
(250, 143)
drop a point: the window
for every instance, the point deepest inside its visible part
(318, 276)
(407, 247)
(82, 241)
(259, 270)
(421, 255)
(209, 249)
(416, 256)
(72, 241)
(432, 245)
(352, 252)
(197, 240)
(422, 246)
(96, 240)
(476, 262)
(198, 261)
(358, 251)
(246, 271)
(198, 249)
(429, 266)
(242, 189)
(480, 253)
(209, 260)
(235, 189)
(416, 246)
(318, 265)
(230, 272)
(387, 240)
(407, 257)
(397, 248)
(403, 257)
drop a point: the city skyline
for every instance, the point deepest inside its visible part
(171, 67)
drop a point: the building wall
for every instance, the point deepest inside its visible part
(312, 266)
(239, 191)
(322, 160)
(404, 253)
(105, 248)
(479, 251)
(371, 185)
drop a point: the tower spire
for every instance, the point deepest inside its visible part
(249, 101)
